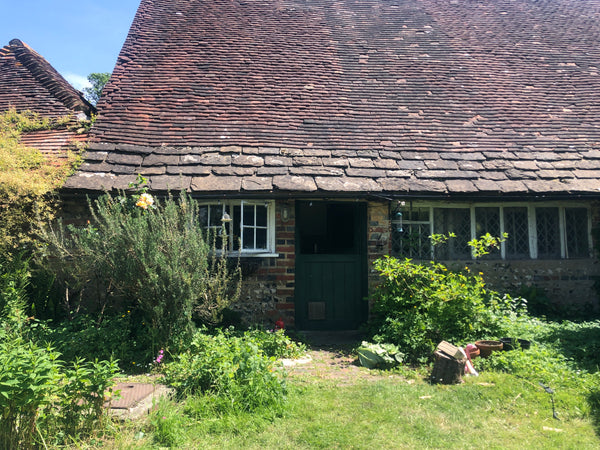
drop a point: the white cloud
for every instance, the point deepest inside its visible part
(77, 81)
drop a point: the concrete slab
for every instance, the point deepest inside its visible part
(136, 399)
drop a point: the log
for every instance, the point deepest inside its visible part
(446, 369)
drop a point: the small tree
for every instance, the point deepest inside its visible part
(98, 81)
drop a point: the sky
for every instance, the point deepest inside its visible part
(77, 37)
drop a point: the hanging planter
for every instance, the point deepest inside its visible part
(487, 347)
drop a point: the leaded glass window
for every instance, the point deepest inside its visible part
(532, 231)
(410, 233)
(487, 220)
(457, 221)
(516, 225)
(548, 237)
(576, 236)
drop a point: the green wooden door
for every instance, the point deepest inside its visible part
(330, 265)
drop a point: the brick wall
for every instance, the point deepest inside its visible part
(268, 292)
(378, 239)
(566, 282)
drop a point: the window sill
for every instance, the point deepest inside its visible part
(253, 255)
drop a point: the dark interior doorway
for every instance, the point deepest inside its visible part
(330, 265)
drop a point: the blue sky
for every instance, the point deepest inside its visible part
(77, 37)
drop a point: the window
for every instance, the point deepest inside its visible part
(576, 225)
(547, 228)
(457, 221)
(535, 231)
(516, 225)
(240, 225)
(410, 233)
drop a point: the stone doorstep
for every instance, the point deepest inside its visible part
(137, 399)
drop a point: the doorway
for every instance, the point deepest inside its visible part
(331, 277)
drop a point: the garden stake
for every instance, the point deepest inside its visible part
(550, 391)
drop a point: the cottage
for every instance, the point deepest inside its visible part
(29, 83)
(333, 132)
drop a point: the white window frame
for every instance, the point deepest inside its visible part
(532, 228)
(228, 205)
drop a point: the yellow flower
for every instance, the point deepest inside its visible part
(145, 201)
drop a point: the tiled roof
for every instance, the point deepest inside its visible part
(29, 82)
(54, 142)
(384, 96)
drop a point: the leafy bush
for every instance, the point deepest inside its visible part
(85, 387)
(38, 396)
(27, 178)
(275, 343)
(14, 279)
(149, 258)
(379, 356)
(113, 337)
(28, 381)
(231, 370)
(416, 306)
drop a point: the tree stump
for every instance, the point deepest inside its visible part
(446, 369)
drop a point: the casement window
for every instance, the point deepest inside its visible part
(535, 231)
(241, 225)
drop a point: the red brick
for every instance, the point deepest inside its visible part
(285, 306)
(286, 249)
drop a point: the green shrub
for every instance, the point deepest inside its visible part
(27, 179)
(86, 387)
(167, 424)
(275, 343)
(149, 258)
(113, 337)
(232, 370)
(40, 397)
(14, 279)
(416, 306)
(29, 377)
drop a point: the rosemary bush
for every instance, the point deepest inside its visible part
(146, 258)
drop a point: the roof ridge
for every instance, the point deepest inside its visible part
(49, 77)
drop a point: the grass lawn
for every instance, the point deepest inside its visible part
(387, 411)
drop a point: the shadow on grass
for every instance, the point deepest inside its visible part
(594, 402)
(580, 342)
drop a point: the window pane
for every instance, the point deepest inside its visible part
(548, 240)
(261, 216)
(203, 215)
(487, 220)
(412, 241)
(261, 238)
(410, 233)
(576, 224)
(516, 225)
(249, 238)
(235, 227)
(457, 221)
(215, 215)
(249, 215)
